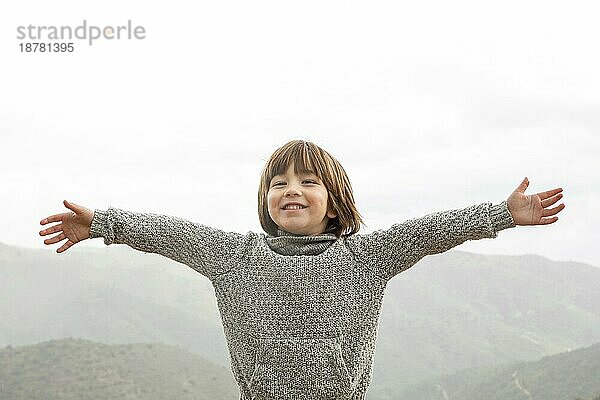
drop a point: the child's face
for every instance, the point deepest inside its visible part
(305, 189)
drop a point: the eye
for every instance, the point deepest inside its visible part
(310, 181)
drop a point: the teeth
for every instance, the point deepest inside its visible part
(294, 207)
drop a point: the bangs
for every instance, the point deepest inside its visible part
(301, 156)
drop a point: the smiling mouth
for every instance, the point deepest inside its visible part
(294, 208)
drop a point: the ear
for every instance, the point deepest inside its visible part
(331, 214)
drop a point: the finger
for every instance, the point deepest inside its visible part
(546, 221)
(52, 229)
(56, 238)
(552, 211)
(65, 246)
(549, 193)
(52, 218)
(552, 200)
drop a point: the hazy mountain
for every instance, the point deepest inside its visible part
(112, 295)
(564, 376)
(449, 312)
(459, 310)
(80, 369)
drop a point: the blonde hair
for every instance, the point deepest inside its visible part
(307, 157)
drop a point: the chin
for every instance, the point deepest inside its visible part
(295, 230)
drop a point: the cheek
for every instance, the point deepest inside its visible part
(270, 198)
(271, 205)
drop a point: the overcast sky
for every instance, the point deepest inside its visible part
(428, 105)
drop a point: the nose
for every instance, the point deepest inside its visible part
(292, 190)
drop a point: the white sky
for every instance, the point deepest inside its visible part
(429, 105)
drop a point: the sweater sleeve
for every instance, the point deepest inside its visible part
(398, 248)
(207, 250)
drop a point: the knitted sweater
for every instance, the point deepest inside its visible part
(300, 313)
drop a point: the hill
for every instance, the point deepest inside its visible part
(80, 369)
(564, 376)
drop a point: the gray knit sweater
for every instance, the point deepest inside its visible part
(300, 313)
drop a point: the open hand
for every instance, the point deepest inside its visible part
(532, 209)
(74, 226)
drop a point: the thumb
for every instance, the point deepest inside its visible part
(72, 206)
(523, 186)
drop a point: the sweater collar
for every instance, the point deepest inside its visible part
(291, 244)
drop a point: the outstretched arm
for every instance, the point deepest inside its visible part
(396, 249)
(207, 250)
